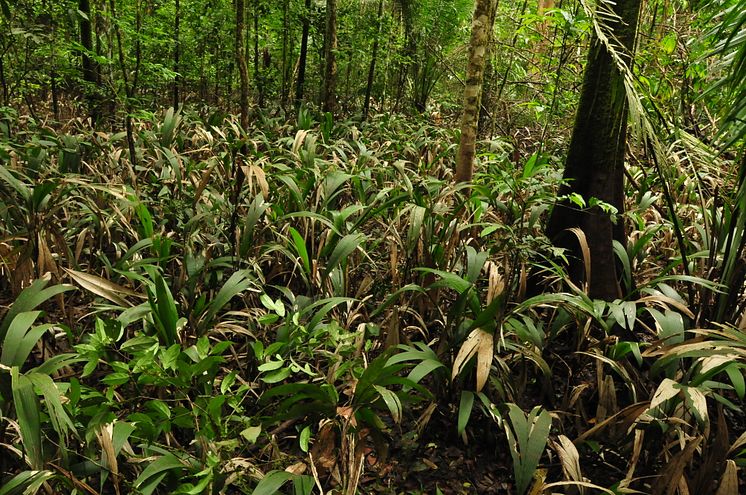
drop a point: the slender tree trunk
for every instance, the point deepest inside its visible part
(303, 55)
(243, 69)
(128, 90)
(480, 34)
(257, 70)
(55, 97)
(329, 93)
(373, 58)
(487, 103)
(3, 81)
(409, 51)
(89, 66)
(595, 160)
(177, 81)
(53, 72)
(138, 49)
(285, 55)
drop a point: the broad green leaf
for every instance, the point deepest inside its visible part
(395, 296)
(20, 341)
(342, 250)
(670, 325)
(276, 376)
(327, 305)
(314, 216)
(27, 412)
(300, 248)
(61, 422)
(332, 182)
(157, 470)
(630, 314)
(56, 363)
(303, 485)
(31, 297)
(170, 122)
(488, 318)
(415, 226)
(121, 434)
(251, 433)
(528, 436)
(474, 262)
(166, 309)
(22, 189)
(237, 283)
(423, 369)
(272, 482)
(392, 402)
(160, 407)
(304, 438)
(25, 482)
(447, 279)
(464, 410)
(735, 373)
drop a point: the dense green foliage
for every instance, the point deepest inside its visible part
(310, 304)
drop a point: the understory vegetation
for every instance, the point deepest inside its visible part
(366, 308)
(293, 300)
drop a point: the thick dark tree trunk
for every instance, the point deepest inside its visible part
(303, 55)
(329, 93)
(595, 160)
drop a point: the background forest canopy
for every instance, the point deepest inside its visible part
(63, 58)
(372, 246)
(190, 47)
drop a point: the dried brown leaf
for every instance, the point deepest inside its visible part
(569, 458)
(669, 479)
(729, 481)
(102, 287)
